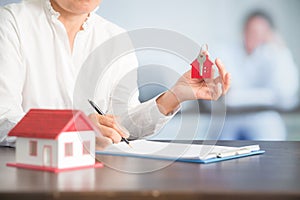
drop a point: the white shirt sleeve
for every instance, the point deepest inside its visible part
(145, 119)
(12, 74)
(140, 119)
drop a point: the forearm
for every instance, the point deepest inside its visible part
(167, 103)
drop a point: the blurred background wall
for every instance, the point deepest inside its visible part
(216, 22)
(211, 22)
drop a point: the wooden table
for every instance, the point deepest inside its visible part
(274, 175)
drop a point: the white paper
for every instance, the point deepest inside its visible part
(167, 150)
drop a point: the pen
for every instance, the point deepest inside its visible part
(100, 112)
(239, 151)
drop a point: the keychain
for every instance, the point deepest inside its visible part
(202, 65)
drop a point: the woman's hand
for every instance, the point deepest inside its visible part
(109, 127)
(188, 88)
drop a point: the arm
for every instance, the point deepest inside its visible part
(12, 74)
(140, 119)
(145, 119)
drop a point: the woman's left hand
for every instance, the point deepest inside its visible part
(188, 88)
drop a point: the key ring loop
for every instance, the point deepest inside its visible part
(204, 48)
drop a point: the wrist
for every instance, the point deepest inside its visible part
(168, 102)
(177, 94)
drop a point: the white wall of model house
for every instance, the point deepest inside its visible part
(78, 159)
(58, 158)
(23, 151)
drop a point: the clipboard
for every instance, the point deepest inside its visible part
(192, 153)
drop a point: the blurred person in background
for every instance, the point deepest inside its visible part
(265, 82)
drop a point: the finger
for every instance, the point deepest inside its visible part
(215, 90)
(115, 124)
(102, 142)
(111, 116)
(105, 120)
(111, 121)
(218, 82)
(94, 118)
(105, 130)
(110, 133)
(227, 83)
(221, 68)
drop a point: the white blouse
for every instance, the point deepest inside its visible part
(38, 69)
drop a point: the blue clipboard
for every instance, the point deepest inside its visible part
(206, 161)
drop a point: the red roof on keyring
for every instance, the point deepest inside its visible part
(49, 124)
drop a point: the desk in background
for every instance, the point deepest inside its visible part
(275, 175)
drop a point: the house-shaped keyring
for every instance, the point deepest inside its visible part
(202, 67)
(55, 141)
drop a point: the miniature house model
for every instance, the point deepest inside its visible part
(54, 140)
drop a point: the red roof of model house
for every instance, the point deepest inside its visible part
(49, 124)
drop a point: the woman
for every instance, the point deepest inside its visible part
(43, 44)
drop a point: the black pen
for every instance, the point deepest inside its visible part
(100, 112)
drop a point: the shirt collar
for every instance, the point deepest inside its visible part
(50, 10)
(53, 13)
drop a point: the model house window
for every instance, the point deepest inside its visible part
(86, 146)
(69, 149)
(33, 148)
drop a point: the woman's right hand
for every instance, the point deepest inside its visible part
(109, 127)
